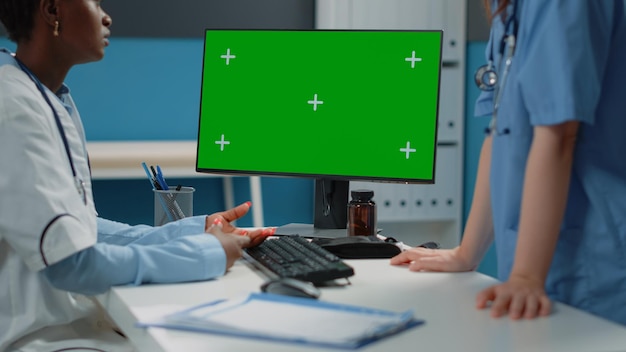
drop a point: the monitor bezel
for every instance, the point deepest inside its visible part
(314, 175)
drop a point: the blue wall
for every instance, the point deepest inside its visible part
(148, 89)
(144, 89)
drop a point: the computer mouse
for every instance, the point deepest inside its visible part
(291, 287)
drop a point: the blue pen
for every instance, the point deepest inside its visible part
(161, 179)
(150, 178)
(155, 185)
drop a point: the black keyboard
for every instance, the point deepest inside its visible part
(295, 257)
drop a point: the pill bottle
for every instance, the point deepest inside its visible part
(362, 213)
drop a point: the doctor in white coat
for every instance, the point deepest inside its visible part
(54, 250)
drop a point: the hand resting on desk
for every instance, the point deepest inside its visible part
(425, 259)
(233, 239)
(519, 297)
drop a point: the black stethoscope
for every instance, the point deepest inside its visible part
(486, 77)
(80, 184)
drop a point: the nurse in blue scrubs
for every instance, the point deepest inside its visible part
(551, 182)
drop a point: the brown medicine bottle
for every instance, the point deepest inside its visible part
(362, 213)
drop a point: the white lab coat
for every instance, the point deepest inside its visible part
(43, 219)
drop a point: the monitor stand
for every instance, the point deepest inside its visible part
(330, 216)
(331, 204)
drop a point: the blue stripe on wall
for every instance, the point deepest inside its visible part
(132, 201)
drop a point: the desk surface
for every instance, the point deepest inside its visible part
(444, 300)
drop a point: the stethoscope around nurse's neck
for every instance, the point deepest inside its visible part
(79, 183)
(488, 79)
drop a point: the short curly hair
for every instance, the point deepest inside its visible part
(18, 17)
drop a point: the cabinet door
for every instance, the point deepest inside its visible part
(439, 201)
(442, 200)
(437, 207)
(450, 114)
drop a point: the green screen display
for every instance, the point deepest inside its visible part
(344, 104)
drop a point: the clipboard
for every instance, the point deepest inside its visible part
(288, 319)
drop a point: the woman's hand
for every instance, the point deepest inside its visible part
(520, 297)
(256, 236)
(231, 242)
(234, 239)
(228, 216)
(424, 259)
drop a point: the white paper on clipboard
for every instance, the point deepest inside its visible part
(290, 319)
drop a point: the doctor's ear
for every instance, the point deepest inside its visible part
(49, 10)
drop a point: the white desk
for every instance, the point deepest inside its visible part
(122, 160)
(444, 300)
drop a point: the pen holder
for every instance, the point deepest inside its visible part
(172, 204)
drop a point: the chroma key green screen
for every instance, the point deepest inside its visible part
(339, 104)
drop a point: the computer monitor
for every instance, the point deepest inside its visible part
(334, 105)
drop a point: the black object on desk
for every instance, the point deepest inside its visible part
(430, 245)
(293, 256)
(359, 247)
(291, 287)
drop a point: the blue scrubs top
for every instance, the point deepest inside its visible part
(569, 65)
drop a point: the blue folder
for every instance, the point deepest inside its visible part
(290, 319)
